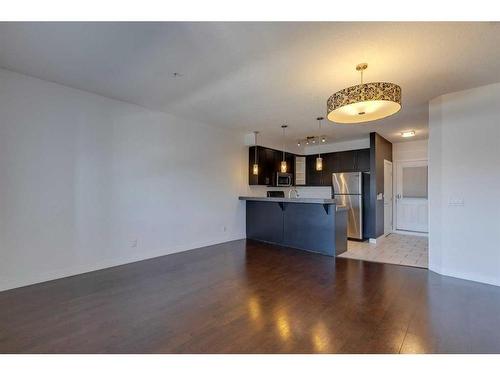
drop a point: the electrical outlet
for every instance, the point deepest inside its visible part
(133, 243)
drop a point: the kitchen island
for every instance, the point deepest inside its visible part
(311, 224)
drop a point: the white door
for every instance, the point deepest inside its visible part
(387, 197)
(411, 196)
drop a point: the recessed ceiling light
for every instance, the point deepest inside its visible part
(409, 133)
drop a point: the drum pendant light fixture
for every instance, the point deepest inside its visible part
(319, 159)
(255, 168)
(283, 162)
(364, 102)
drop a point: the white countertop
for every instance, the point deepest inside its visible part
(290, 200)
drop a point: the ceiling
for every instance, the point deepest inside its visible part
(256, 76)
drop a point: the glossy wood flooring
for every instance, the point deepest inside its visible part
(252, 298)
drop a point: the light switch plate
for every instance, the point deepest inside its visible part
(457, 202)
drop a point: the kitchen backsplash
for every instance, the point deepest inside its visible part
(304, 191)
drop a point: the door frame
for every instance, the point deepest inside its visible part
(395, 169)
(388, 162)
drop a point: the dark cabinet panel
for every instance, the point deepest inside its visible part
(363, 160)
(264, 221)
(335, 162)
(289, 159)
(290, 163)
(269, 162)
(252, 179)
(269, 175)
(313, 177)
(265, 160)
(347, 161)
(330, 165)
(309, 227)
(329, 162)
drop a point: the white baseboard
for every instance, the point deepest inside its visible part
(466, 276)
(7, 284)
(378, 239)
(410, 233)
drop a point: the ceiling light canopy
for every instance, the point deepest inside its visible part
(364, 102)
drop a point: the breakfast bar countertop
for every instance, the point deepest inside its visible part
(290, 200)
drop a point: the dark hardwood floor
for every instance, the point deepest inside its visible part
(250, 297)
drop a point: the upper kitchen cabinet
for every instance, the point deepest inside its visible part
(269, 162)
(346, 161)
(330, 165)
(265, 161)
(352, 161)
(289, 159)
(363, 160)
(313, 177)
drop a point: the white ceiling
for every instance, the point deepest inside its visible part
(256, 76)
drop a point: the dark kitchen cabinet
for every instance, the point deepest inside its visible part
(353, 161)
(269, 173)
(289, 159)
(347, 161)
(363, 160)
(313, 177)
(335, 162)
(265, 161)
(269, 162)
(330, 165)
(290, 163)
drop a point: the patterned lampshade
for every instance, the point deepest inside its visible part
(364, 102)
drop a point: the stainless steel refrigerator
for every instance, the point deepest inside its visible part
(347, 190)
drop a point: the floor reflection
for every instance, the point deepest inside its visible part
(283, 325)
(321, 338)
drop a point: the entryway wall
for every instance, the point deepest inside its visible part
(464, 182)
(407, 151)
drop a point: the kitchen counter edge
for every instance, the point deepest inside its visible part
(290, 200)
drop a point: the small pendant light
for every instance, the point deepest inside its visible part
(283, 162)
(319, 159)
(255, 162)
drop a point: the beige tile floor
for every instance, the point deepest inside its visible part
(395, 249)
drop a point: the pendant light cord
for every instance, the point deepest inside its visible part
(255, 156)
(319, 139)
(283, 127)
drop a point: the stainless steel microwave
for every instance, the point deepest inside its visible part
(284, 179)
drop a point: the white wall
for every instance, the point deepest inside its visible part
(355, 144)
(81, 176)
(410, 150)
(464, 166)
